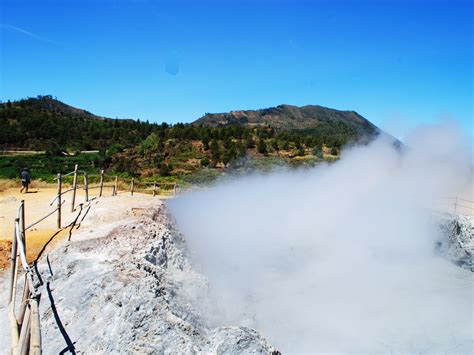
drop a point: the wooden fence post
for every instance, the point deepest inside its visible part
(74, 186)
(24, 339)
(59, 199)
(132, 187)
(86, 187)
(174, 189)
(24, 301)
(14, 282)
(114, 193)
(101, 182)
(35, 331)
(22, 224)
(154, 189)
(13, 262)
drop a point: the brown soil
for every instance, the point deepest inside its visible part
(37, 205)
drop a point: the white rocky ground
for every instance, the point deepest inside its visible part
(124, 284)
(459, 243)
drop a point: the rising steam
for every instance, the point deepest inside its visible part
(340, 258)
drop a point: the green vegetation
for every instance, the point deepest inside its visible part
(44, 167)
(186, 152)
(45, 124)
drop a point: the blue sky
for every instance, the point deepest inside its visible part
(398, 63)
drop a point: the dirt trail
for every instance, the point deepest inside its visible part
(37, 205)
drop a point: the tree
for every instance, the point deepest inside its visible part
(249, 143)
(227, 142)
(333, 151)
(165, 169)
(301, 152)
(230, 154)
(318, 152)
(205, 142)
(114, 149)
(205, 161)
(241, 150)
(262, 147)
(275, 145)
(215, 152)
(297, 142)
(149, 145)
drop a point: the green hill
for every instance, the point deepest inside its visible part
(311, 118)
(214, 144)
(44, 123)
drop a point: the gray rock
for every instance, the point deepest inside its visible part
(458, 243)
(133, 290)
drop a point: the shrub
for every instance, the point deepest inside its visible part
(318, 152)
(165, 170)
(262, 147)
(205, 161)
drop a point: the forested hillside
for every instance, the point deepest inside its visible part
(46, 124)
(285, 134)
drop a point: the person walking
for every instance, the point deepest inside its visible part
(25, 180)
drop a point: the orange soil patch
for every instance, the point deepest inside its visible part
(37, 205)
(5, 253)
(35, 241)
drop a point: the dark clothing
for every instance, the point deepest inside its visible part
(25, 177)
(25, 180)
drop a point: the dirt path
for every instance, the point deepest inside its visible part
(37, 205)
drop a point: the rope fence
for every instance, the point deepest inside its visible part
(24, 322)
(25, 319)
(458, 204)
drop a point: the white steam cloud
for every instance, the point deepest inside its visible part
(340, 258)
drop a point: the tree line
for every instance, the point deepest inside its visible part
(133, 145)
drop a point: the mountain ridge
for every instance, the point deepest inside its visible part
(291, 117)
(36, 121)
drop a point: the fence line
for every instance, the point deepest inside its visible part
(24, 325)
(456, 204)
(25, 321)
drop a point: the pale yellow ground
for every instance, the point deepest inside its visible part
(37, 205)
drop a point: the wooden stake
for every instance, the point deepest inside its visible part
(174, 189)
(101, 182)
(132, 187)
(24, 301)
(22, 224)
(24, 340)
(86, 187)
(74, 187)
(35, 342)
(59, 199)
(13, 329)
(115, 186)
(13, 262)
(154, 189)
(13, 322)
(15, 272)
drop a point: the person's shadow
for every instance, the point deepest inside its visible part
(32, 192)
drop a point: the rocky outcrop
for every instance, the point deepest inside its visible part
(133, 290)
(457, 245)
